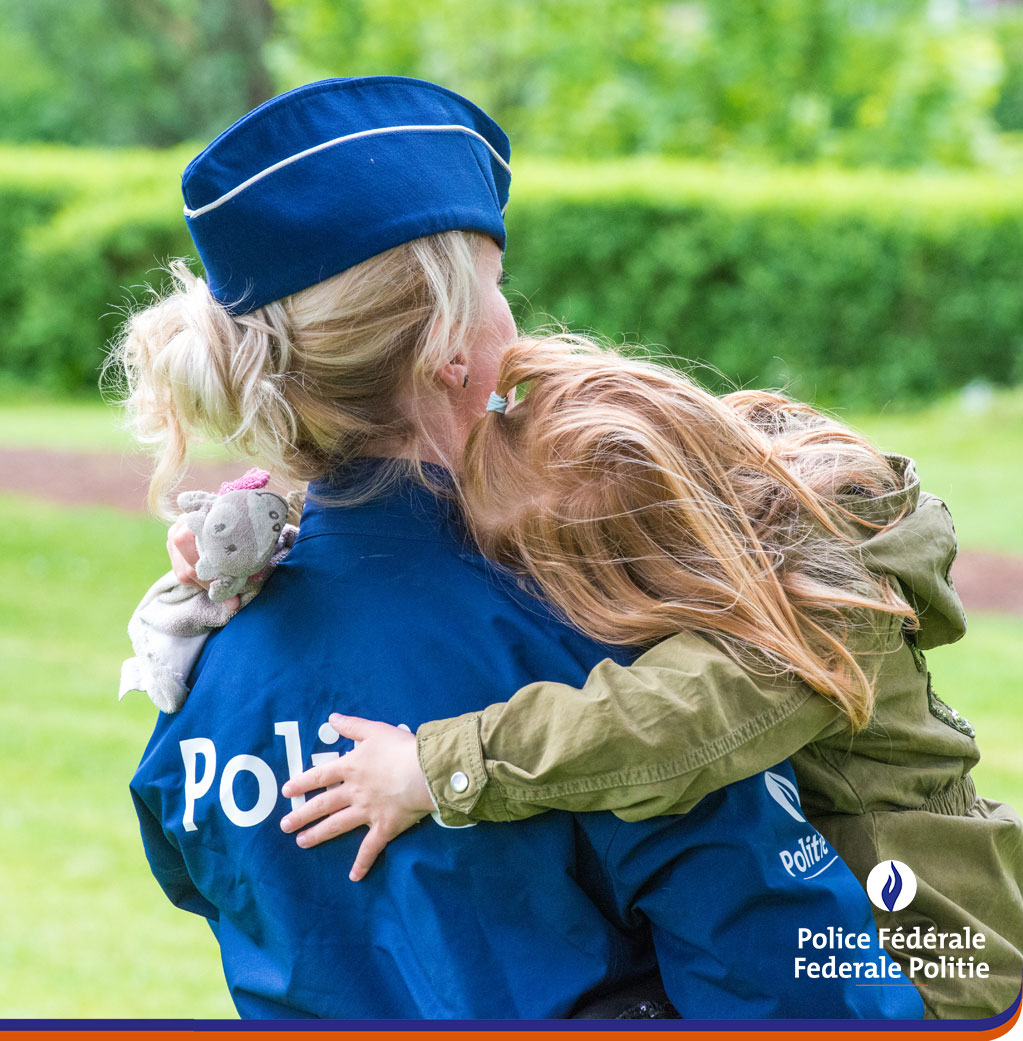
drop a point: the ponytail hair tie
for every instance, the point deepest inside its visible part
(496, 403)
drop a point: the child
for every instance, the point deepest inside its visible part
(789, 557)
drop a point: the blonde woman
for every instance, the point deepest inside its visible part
(348, 332)
(793, 576)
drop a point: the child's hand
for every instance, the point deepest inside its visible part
(378, 783)
(184, 555)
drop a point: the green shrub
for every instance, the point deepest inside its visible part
(853, 287)
(94, 227)
(859, 287)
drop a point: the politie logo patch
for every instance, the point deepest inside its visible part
(891, 885)
(784, 793)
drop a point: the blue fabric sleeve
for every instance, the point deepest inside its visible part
(168, 866)
(727, 888)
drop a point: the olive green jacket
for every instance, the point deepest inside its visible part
(685, 720)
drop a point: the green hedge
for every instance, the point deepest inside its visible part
(86, 231)
(857, 288)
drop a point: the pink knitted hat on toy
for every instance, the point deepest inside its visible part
(254, 478)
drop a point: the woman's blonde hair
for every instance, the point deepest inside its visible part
(308, 382)
(642, 506)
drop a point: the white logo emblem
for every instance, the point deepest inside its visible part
(784, 793)
(891, 885)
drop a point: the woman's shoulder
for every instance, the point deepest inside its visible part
(393, 592)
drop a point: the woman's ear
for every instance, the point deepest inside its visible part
(452, 374)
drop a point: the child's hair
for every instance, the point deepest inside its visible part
(641, 505)
(308, 382)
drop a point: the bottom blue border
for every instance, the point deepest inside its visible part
(708, 1025)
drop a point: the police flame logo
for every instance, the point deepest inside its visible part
(892, 888)
(891, 885)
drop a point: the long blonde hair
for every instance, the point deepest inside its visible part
(641, 505)
(306, 383)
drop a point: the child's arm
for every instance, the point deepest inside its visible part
(649, 739)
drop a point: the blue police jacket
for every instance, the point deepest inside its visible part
(386, 611)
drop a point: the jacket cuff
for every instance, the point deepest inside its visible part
(451, 757)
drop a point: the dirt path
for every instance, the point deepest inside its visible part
(986, 581)
(82, 478)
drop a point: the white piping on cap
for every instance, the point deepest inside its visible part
(227, 196)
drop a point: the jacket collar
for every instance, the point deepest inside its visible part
(368, 497)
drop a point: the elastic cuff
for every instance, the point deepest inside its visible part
(451, 759)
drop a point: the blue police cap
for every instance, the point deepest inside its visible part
(325, 176)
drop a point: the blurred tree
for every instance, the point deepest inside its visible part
(923, 93)
(862, 81)
(889, 82)
(119, 72)
(1008, 29)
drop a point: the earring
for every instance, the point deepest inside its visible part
(465, 382)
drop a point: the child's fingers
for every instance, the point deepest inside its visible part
(322, 776)
(329, 802)
(181, 542)
(334, 825)
(184, 554)
(372, 846)
(353, 727)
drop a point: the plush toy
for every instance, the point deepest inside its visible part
(242, 535)
(235, 532)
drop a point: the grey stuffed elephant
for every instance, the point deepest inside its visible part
(241, 536)
(235, 534)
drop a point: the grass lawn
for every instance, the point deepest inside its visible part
(980, 676)
(75, 425)
(87, 932)
(968, 450)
